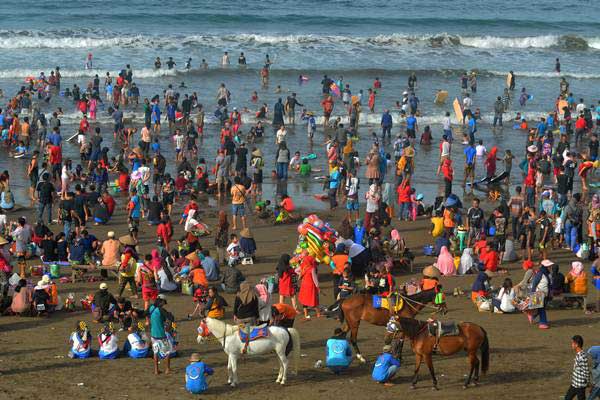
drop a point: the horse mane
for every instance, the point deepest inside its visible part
(411, 327)
(229, 329)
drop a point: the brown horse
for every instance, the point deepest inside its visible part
(360, 307)
(471, 338)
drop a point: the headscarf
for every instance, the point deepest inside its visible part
(527, 264)
(576, 268)
(246, 294)
(263, 293)
(445, 262)
(466, 261)
(395, 235)
(283, 264)
(190, 222)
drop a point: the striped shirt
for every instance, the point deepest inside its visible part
(581, 371)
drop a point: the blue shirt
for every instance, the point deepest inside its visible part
(382, 365)
(195, 381)
(550, 121)
(55, 138)
(472, 125)
(359, 234)
(171, 111)
(338, 354)
(155, 147)
(135, 212)
(334, 179)
(470, 153)
(386, 120)
(410, 122)
(596, 272)
(541, 129)
(157, 323)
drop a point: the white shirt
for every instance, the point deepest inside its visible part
(280, 136)
(109, 345)
(65, 173)
(580, 107)
(506, 300)
(179, 141)
(480, 151)
(445, 149)
(352, 186)
(467, 103)
(138, 341)
(77, 346)
(446, 123)
(225, 59)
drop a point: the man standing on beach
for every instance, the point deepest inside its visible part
(581, 371)
(160, 343)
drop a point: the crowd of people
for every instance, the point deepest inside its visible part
(554, 207)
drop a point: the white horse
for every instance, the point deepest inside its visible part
(229, 338)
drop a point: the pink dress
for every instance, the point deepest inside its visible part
(93, 108)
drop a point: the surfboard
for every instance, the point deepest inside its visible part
(508, 80)
(561, 105)
(73, 137)
(458, 110)
(440, 97)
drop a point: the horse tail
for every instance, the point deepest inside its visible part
(295, 338)
(485, 352)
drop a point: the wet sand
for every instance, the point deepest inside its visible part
(525, 361)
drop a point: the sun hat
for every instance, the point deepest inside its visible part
(103, 286)
(547, 263)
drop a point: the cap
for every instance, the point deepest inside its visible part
(163, 298)
(103, 286)
(547, 263)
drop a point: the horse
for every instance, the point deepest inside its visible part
(360, 307)
(471, 337)
(279, 340)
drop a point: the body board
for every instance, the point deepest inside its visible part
(458, 110)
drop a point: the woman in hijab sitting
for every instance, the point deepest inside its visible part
(245, 307)
(445, 262)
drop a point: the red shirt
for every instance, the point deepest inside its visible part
(377, 84)
(180, 183)
(84, 125)
(490, 260)
(404, 193)
(580, 123)
(110, 204)
(55, 155)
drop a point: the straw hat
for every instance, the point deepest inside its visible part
(3, 241)
(103, 286)
(127, 240)
(257, 153)
(245, 233)
(195, 357)
(431, 272)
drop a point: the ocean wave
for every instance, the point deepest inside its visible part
(142, 73)
(93, 39)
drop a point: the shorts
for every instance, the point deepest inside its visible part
(327, 114)
(168, 198)
(33, 180)
(161, 346)
(95, 155)
(238, 209)
(411, 133)
(134, 223)
(258, 177)
(469, 169)
(177, 151)
(352, 205)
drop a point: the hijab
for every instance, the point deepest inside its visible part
(576, 268)
(445, 262)
(466, 261)
(595, 201)
(156, 261)
(246, 294)
(283, 264)
(190, 222)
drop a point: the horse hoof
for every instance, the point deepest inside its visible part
(232, 384)
(282, 383)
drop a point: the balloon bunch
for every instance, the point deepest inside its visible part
(317, 238)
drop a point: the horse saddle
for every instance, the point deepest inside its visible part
(439, 328)
(393, 303)
(257, 332)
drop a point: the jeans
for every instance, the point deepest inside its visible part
(41, 208)
(496, 304)
(391, 372)
(498, 119)
(515, 227)
(530, 196)
(282, 170)
(542, 315)
(386, 130)
(570, 234)
(67, 228)
(404, 210)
